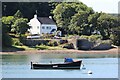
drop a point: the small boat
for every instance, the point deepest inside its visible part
(65, 65)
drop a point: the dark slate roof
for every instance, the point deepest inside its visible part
(45, 20)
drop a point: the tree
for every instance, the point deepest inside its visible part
(18, 14)
(6, 39)
(8, 21)
(79, 23)
(20, 26)
(92, 21)
(27, 8)
(105, 23)
(72, 16)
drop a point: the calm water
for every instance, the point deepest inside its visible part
(18, 66)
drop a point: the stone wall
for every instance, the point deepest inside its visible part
(83, 44)
(34, 42)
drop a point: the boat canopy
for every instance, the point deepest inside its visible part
(68, 60)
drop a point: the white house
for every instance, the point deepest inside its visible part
(40, 25)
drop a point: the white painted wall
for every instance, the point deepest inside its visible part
(35, 26)
(47, 28)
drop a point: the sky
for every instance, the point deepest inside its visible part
(107, 6)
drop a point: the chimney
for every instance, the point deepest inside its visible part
(35, 16)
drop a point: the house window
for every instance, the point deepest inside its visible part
(37, 27)
(43, 27)
(48, 27)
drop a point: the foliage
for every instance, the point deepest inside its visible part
(20, 26)
(69, 46)
(52, 43)
(47, 35)
(92, 38)
(18, 14)
(27, 8)
(63, 41)
(84, 37)
(8, 21)
(115, 36)
(72, 17)
(106, 42)
(104, 23)
(6, 39)
(43, 47)
(16, 42)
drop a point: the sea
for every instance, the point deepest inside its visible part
(19, 66)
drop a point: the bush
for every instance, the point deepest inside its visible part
(6, 40)
(94, 38)
(84, 37)
(115, 39)
(47, 35)
(52, 43)
(17, 42)
(106, 42)
(69, 46)
(63, 41)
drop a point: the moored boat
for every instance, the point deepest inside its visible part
(65, 65)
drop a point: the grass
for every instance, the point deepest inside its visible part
(40, 47)
(43, 47)
(25, 47)
(12, 49)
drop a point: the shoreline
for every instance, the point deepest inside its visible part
(71, 51)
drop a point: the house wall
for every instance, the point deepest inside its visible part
(35, 26)
(47, 28)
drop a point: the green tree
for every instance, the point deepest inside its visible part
(92, 21)
(79, 23)
(72, 16)
(105, 23)
(20, 26)
(6, 39)
(18, 14)
(8, 21)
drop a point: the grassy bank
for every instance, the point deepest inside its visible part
(26, 48)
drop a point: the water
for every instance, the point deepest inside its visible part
(18, 66)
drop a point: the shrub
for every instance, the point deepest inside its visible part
(106, 42)
(47, 35)
(52, 43)
(84, 37)
(115, 39)
(41, 47)
(17, 42)
(6, 40)
(63, 41)
(94, 38)
(69, 46)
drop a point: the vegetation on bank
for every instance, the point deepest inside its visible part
(73, 19)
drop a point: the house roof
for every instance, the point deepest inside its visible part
(45, 20)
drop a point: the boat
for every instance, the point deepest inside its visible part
(65, 65)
